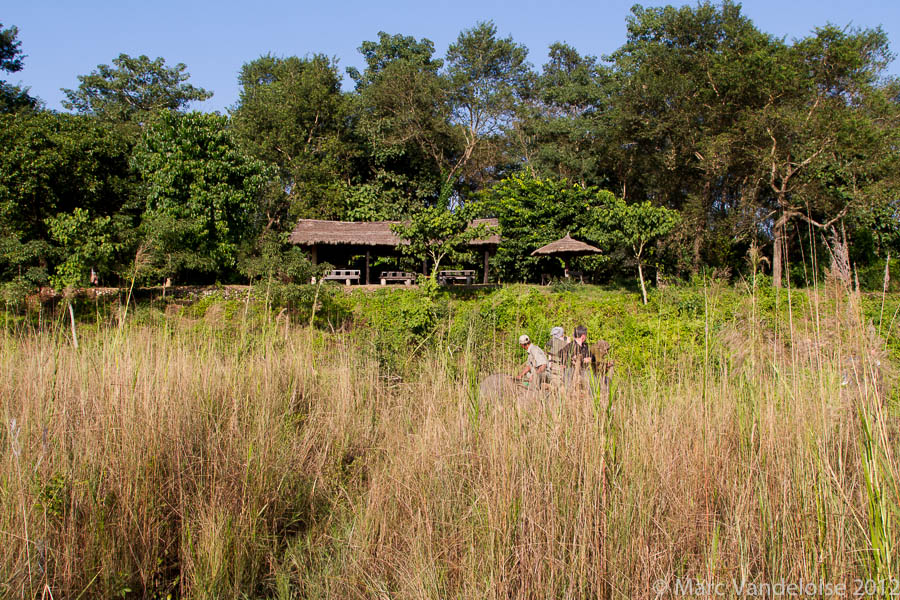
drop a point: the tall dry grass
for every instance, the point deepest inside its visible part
(234, 462)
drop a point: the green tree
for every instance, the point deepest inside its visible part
(133, 89)
(485, 75)
(404, 120)
(273, 257)
(84, 241)
(435, 234)
(11, 58)
(201, 194)
(279, 262)
(688, 79)
(391, 49)
(560, 125)
(292, 114)
(430, 123)
(533, 212)
(61, 175)
(12, 97)
(819, 137)
(637, 226)
(742, 133)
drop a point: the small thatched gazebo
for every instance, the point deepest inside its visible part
(566, 248)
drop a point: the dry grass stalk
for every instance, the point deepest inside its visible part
(180, 463)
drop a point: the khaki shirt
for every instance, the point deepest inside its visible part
(536, 357)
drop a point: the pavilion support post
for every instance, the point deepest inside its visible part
(314, 254)
(485, 267)
(368, 258)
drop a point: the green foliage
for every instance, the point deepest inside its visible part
(11, 57)
(751, 139)
(274, 257)
(292, 114)
(12, 97)
(403, 119)
(533, 212)
(51, 166)
(871, 276)
(84, 242)
(485, 74)
(372, 202)
(635, 225)
(437, 233)
(400, 324)
(391, 49)
(133, 89)
(202, 193)
(690, 77)
(561, 118)
(883, 221)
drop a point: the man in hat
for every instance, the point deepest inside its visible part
(536, 365)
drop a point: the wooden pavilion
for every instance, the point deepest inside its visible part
(343, 239)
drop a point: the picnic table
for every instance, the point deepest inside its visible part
(406, 277)
(345, 275)
(466, 276)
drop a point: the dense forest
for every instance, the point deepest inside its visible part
(701, 144)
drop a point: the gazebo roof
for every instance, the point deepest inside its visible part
(566, 246)
(310, 232)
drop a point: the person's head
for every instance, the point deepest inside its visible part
(524, 340)
(557, 332)
(580, 333)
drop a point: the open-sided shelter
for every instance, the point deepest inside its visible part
(346, 238)
(566, 248)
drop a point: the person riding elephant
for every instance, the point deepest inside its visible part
(535, 368)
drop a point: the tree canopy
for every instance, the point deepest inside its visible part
(701, 140)
(132, 89)
(292, 115)
(12, 97)
(201, 194)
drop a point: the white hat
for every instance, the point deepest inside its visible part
(524, 339)
(557, 332)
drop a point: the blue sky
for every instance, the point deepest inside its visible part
(65, 39)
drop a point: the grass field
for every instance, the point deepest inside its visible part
(226, 450)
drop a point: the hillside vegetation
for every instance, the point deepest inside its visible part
(227, 449)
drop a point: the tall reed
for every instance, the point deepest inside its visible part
(220, 459)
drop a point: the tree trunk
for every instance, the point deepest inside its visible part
(643, 287)
(695, 267)
(777, 250)
(368, 259)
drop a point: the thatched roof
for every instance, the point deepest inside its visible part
(566, 246)
(310, 232)
(313, 231)
(491, 240)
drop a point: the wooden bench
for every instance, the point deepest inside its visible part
(547, 278)
(345, 275)
(466, 276)
(404, 276)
